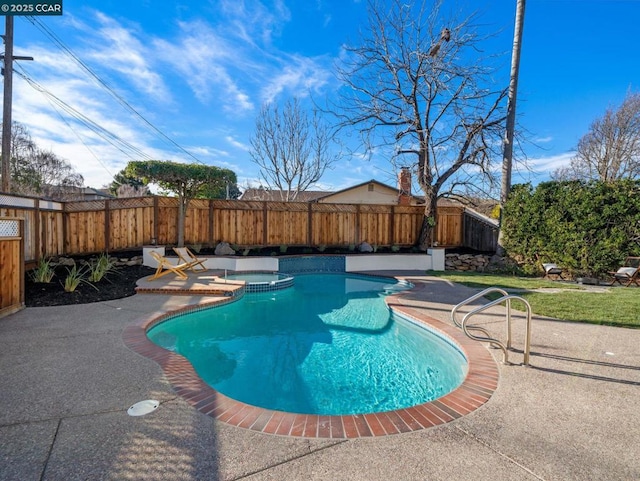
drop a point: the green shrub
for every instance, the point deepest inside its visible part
(588, 228)
(44, 272)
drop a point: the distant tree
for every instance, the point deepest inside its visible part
(128, 191)
(187, 181)
(291, 148)
(418, 85)
(610, 150)
(227, 190)
(39, 172)
(124, 185)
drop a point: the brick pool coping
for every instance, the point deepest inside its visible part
(476, 389)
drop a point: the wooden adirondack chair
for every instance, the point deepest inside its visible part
(628, 274)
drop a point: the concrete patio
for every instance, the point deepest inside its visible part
(67, 380)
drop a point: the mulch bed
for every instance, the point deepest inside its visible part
(118, 284)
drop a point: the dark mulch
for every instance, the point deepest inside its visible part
(118, 284)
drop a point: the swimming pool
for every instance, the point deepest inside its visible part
(328, 346)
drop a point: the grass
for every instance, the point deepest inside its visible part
(618, 306)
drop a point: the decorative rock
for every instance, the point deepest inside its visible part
(65, 261)
(224, 249)
(466, 262)
(365, 247)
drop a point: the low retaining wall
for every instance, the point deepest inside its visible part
(433, 260)
(466, 262)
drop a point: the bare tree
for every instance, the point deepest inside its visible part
(610, 151)
(419, 85)
(292, 148)
(39, 172)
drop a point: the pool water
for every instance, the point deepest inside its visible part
(329, 345)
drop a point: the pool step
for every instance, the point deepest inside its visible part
(194, 285)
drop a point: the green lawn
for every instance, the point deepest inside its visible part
(618, 306)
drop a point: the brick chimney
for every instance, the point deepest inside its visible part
(404, 186)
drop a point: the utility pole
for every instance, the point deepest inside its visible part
(7, 72)
(507, 160)
(6, 105)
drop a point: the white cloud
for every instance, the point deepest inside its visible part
(298, 76)
(550, 163)
(119, 49)
(237, 144)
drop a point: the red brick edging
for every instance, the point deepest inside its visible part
(476, 389)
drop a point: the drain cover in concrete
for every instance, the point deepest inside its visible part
(143, 407)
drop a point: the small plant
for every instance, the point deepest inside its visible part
(322, 248)
(196, 248)
(44, 272)
(352, 247)
(74, 277)
(375, 248)
(283, 249)
(395, 248)
(245, 252)
(100, 268)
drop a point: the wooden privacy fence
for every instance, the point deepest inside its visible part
(11, 265)
(75, 228)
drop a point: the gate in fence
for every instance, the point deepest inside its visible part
(11, 265)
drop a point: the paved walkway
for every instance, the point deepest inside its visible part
(67, 379)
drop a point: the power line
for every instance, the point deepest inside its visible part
(57, 41)
(122, 145)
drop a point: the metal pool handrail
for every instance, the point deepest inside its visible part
(507, 299)
(489, 290)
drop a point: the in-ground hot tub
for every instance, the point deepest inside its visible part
(261, 281)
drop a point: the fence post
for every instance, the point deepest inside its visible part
(265, 225)
(211, 219)
(392, 225)
(37, 232)
(358, 220)
(309, 225)
(65, 229)
(107, 225)
(156, 215)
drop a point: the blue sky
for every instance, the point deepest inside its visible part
(190, 77)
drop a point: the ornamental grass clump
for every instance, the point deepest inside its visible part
(74, 277)
(44, 272)
(100, 267)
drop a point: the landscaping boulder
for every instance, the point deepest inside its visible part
(365, 247)
(224, 249)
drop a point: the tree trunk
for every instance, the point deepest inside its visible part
(183, 203)
(427, 230)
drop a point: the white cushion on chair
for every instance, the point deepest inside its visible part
(626, 271)
(551, 268)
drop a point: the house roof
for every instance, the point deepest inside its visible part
(308, 195)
